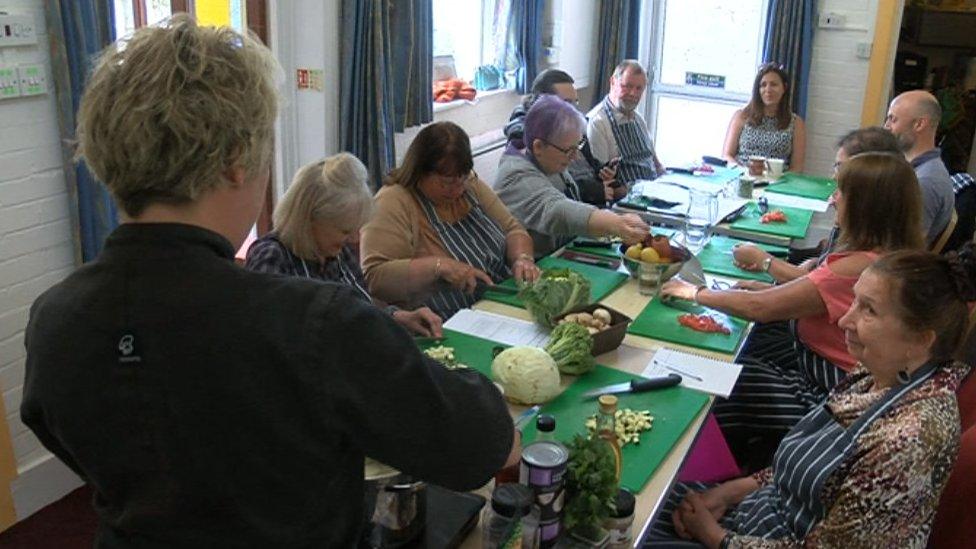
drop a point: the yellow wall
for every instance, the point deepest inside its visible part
(213, 12)
(886, 30)
(8, 472)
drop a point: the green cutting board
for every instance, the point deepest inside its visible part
(659, 322)
(716, 258)
(807, 186)
(673, 409)
(473, 351)
(602, 281)
(797, 221)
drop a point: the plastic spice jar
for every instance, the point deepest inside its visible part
(620, 522)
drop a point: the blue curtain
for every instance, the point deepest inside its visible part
(527, 22)
(78, 30)
(619, 28)
(413, 34)
(789, 42)
(385, 83)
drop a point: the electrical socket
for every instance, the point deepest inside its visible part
(33, 80)
(9, 83)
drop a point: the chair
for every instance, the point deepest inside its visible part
(940, 242)
(952, 528)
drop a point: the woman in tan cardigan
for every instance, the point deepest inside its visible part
(439, 235)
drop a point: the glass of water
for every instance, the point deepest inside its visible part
(702, 214)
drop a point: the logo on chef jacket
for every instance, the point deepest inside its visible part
(127, 348)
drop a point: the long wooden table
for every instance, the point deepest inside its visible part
(632, 356)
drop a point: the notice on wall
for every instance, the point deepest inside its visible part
(704, 80)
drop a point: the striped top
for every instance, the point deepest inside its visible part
(269, 254)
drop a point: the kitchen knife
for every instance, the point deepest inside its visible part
(497, 288)
(682, 305)
(636, 386)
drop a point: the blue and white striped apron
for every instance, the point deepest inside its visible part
(791, 504)
(346, 276)
(476, 240)
(634, 146)
(781, 381)
(809, 454)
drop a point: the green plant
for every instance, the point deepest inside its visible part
(591, 484)
(571, 346)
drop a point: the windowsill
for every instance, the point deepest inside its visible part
(457, 103)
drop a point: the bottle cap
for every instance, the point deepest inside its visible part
(608, 403)
(511, 500)
(545, 423)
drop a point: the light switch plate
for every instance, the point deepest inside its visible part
(33, 80)
(17, 30)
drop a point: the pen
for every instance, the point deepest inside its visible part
(686, 374)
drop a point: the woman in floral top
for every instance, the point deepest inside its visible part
(865, 469)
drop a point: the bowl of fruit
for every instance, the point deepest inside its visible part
(656, 251)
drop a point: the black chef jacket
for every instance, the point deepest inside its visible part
(210, 406)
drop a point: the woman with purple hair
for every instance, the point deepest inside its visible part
(535, 185)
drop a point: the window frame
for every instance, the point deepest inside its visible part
(656, 11)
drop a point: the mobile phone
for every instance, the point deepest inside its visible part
(612, 163)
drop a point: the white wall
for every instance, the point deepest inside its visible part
(838, 80)
(36, 251)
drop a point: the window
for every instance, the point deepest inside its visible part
(132, 14)
(705, 59)
(470, 34)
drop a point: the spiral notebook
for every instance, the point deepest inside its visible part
(697, 372)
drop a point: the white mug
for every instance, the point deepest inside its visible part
(774, 167)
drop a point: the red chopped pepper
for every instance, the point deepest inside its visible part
(775, 216)
(703, 323)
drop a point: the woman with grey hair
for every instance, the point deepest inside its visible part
(317, 226)
(535, 185)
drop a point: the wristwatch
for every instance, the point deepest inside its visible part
(766, 263)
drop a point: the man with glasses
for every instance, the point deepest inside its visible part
(914, 119)
(616, 129)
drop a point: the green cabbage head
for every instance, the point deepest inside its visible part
(527, 375)
(555, 292)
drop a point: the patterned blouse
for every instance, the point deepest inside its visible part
(269, 255)
(886, 495)
(766, 140)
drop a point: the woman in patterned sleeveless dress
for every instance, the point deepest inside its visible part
(767, 126)
(316, 232)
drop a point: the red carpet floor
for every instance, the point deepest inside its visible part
(68, 523)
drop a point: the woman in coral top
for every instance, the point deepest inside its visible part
(789, 367)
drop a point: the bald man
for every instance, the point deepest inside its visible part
(914, 119)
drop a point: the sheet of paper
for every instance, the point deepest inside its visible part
(503, 329)
(672, 192)
(697, 372)
(792, 201)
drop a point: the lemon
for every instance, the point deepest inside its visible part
(634, 252)
(649, 255)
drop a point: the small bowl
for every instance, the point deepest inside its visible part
(668, 270)
(610, 338)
